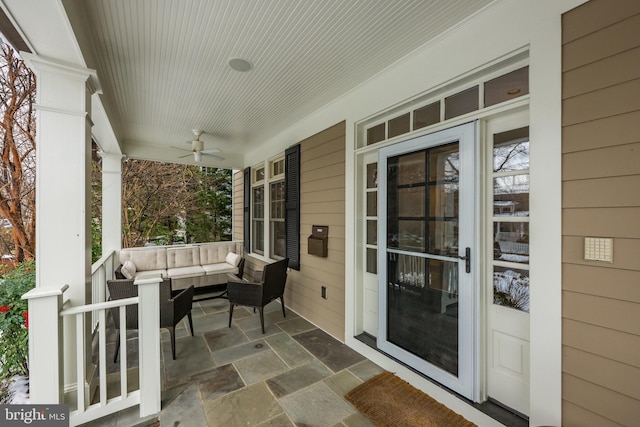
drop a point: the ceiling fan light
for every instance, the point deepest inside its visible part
(197, 156)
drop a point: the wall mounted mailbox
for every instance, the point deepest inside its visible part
(318, 241)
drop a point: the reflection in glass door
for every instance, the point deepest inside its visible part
(426, 236)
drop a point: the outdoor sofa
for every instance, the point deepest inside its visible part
(200, 265)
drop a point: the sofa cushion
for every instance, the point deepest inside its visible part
(233, 259)
(147, 258)
(216, 252)
(128, 269)
(219, 268)
(186, 256)
(182, 272)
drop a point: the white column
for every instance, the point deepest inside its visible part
(149, 344)
(111, 201)
(45, 345)
(63, 178)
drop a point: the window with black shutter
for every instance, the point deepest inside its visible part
(292, 205)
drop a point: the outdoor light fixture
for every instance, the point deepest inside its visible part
(240, 64)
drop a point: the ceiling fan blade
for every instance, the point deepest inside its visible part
(186, 155)
(178, 148)
(211, 150)
(211, 155)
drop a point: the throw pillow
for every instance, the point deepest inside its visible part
(233, 259)
(128, 269)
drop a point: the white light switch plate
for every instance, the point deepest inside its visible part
(598, 249)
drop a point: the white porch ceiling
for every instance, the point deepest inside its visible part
(163, 64)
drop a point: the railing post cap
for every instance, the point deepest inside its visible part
(148, 280)
(45, 291)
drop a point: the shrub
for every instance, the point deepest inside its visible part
(14, 320)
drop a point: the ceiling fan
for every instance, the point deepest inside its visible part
(197, 148)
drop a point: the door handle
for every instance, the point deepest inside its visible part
(467, 259)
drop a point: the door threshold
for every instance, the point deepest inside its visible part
(490, 408)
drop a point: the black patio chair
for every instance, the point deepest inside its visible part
(172, 309)
(259, 294)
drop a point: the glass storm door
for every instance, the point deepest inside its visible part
(426, 236)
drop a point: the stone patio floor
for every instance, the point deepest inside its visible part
(293, 375)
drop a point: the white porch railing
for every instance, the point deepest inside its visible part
(47, 343)
(101, 271)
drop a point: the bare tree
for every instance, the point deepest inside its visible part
(154, 196)
(17, 151)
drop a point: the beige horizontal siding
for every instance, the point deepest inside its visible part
(611, 281)
(597, 340)
(588, 18)
(601, 198)
(601, 401)
(599, 192)
(610, 101)
(600, 311)
(322, 202)
(610, 40)
(580, 416)
(238, 204)
(602, 74)
(606, 372)
(618, 160)
(605, 132)
(605, 222)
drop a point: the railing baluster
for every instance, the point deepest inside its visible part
(81, 362)
(102, 340)
(123, 351)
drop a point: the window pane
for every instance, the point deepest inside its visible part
(372, 261)
(508, 86)
(511, 288)
(258, 202)
(511, 150)
(444, 163)
(372, 232)
(511, 195)
(258, 236)
(278, 242)
(259, 175)
(277, 200)
(461, 103)
(511, 242)
(443, 200)
(277, 168)
(372, 175)
(376, 134)
(410, 236)
(425, 116)
(372, 203)
(399, 125)
(411, 202)
(443, 237)
(410, 168)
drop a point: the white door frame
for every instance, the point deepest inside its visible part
(466, 383)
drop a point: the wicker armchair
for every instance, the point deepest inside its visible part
(259, 294)
(172, 310)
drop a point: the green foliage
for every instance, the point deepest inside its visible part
(210, 220)
(96, 240)
(14, 323)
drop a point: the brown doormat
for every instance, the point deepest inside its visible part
(389, 401)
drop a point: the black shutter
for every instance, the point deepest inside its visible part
(247, 210)
(292, 204)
